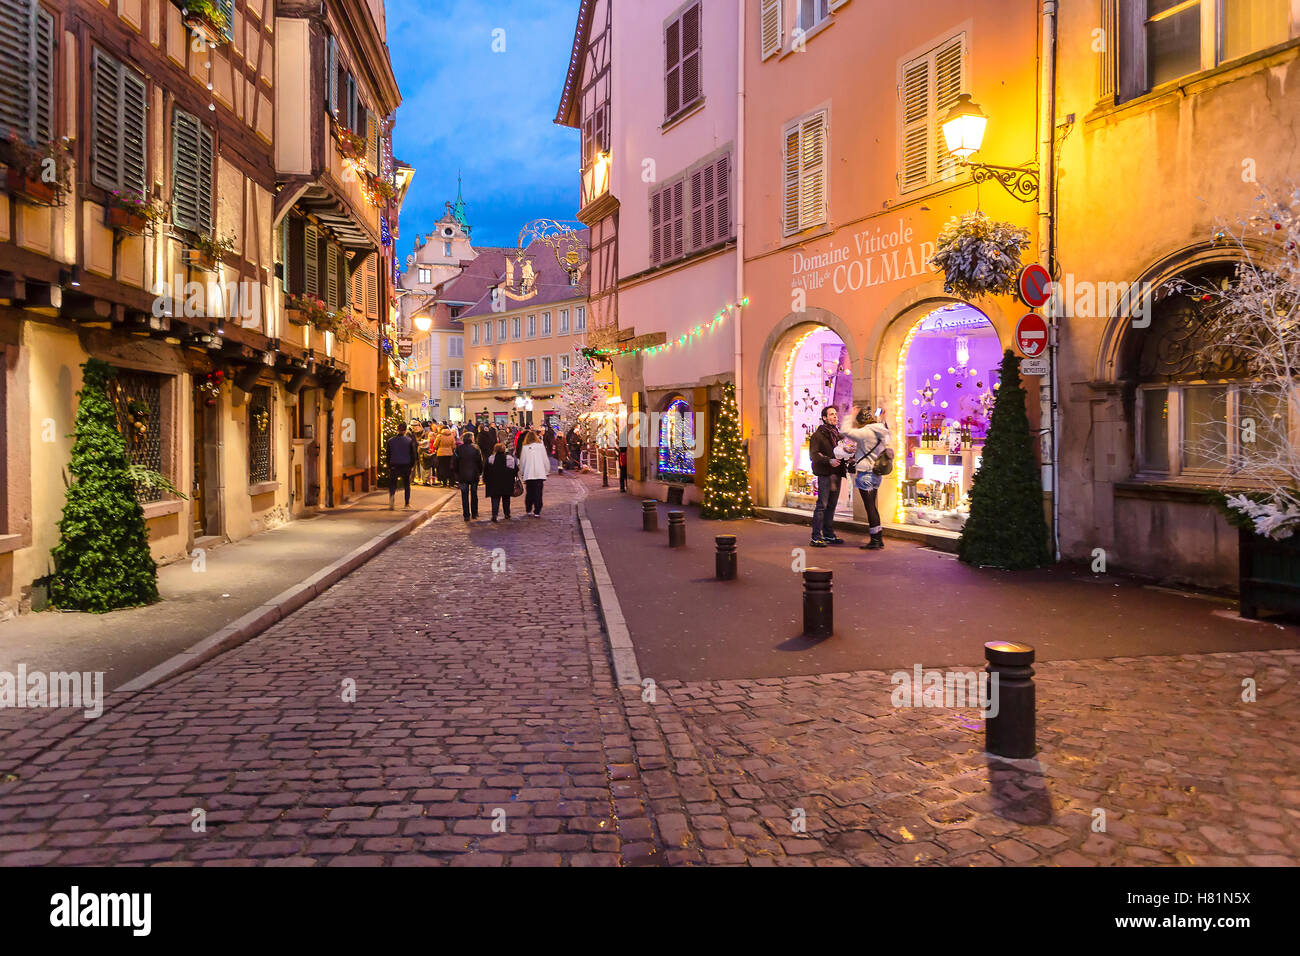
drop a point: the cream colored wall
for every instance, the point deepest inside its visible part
(292, 94)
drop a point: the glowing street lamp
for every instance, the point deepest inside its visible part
(963, 132)
(423, 323)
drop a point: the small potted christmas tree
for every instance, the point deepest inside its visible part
(726, 487)
(1006, 527)
(102, 561)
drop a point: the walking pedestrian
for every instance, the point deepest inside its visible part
(829, 471)
(443, 450)
(487, 440)
(533, 469)
(561, 450)
(548, 439)
(468, 464)
(499, 479)
(417, 465)
(519, 441)
(874, 442)
(401, 455)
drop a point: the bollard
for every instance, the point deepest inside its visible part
(676, 529)
(604, 469)
(726, 558)
(649, 515)
(818, 603)
(1010, 732)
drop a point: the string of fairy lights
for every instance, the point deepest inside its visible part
(684, 339)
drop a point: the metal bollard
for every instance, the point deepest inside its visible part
(604, 469)
(818, 603)
(676, 529)
(726, 557)
(649, 515)
(1010, 732)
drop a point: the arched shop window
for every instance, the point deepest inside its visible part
(677, 442)
(1194, 404)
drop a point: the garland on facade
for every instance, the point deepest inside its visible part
(726, 488)
(683, 339)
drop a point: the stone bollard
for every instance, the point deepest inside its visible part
(1009, 732)
(818, 603)
(649, 515)
(726, 557)
(676, 529)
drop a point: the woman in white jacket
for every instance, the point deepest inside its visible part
(534, 466)
(873, 438)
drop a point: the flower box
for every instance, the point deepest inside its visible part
(1269, 573)
(201, 260)
(125, 220)
(205, 29)
(34, 190)
(297, 316)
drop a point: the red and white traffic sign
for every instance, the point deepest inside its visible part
(1031, 335)
(1035, 285)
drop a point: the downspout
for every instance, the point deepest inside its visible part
(738, 313)
(1047, 253)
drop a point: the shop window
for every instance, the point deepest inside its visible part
(27, 95)
(682, 75)
(929, 86)
(260, 432)
(117, 145)
(677, 442)
(137, 398)
(806, 173)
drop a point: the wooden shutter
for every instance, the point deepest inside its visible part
(352, 104)
(672, 68)
(15, 43)
(105, 105)
(310, 261)
(949, 81)
(227, 8)
(134, 176)
(206, 155)
(1110, 39)
(185, 171)
(43, 126)
(791, 186)
(722, 202)
(331, 277)
(836, 4)
(677, 221)
(691, 55)
(331, 75)
(372, 142)
(372, 287)
(812, 173)
(704, 207)
(294, 272)
(697, 239)
(341, 269)
(656, 228)
(916, 125)
(359, 290)
(770, 26)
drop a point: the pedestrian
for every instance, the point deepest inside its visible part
(499, 479)
(533, 469)
(443, 449)
(468, 465)
(876, 451)
(561, 450)
(417, 466)
(548, 439)
(830, 472)
(401, 456)
(519, 441)
(487, 440)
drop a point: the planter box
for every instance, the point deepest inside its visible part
(125, 221)
(198, 259)
(1269, 574)
(296, 316)
(33, 190)
(205, 30)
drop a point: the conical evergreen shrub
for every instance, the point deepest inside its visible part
(726, 487)
(1007, 528)
(102, 561)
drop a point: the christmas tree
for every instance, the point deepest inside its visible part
(581, 392)
(102, 561)
(726, 488)
(1006, 528)
(392, 418)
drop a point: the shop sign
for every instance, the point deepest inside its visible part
(1031, 335)
(1035, 286)
(405, 346)
(1034, 366)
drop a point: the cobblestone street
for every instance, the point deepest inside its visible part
(486, 731)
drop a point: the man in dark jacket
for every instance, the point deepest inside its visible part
(467, 463)
(487, 440)
(830, 472)
(401, 456)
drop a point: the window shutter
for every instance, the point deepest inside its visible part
(722, 183)
(296, 256)
(1110, 39)
(310, 263)
(836, 4)
(372, 142)
(916, 124)
(185, 170)
(812, 175)
(656, 232)
(15, 43)
(205, 154)
(134, 176)
(105, 147)
(678, 219)
(341, 268)
(332, 75)
(372, 288)
(354, 119)
(698, 238)
(770, 26)
(673, 66)
(691, 55)
(949, 64)
(791, 197)
(42, 76)
(227, 8)
(332, 301)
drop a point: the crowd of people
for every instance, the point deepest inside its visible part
(510, 461)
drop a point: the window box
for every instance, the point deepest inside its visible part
(297, 316)
(201, 259)
(34, 190)
(209, 20)
(1269, 572)
(125, 221)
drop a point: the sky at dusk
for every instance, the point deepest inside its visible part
(487, 114)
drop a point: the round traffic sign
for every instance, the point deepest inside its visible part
(1031, 335)
(1035, 285)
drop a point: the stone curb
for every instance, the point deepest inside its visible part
(623, 654)
(244, 629)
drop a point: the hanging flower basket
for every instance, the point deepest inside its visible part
(979, 256)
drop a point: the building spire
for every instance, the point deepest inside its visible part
(458, 209)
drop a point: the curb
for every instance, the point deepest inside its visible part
(244, 629)
(621, 651)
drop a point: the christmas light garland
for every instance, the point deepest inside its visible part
(682, 339)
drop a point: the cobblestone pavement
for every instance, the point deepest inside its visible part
(484, 696)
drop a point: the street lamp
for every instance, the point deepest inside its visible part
(963, 132)
(423, 323)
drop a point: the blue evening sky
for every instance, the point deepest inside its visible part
(487, 114)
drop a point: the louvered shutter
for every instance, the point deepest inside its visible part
(722, 184)
(791, 189)
(227, 8)
(673, 67)
(812, 175)
(1110, 45)
(836, 4)
(345, 287)
(372, 288)
(770, 26)
(15, 46)
(656, 229)
(949, 81)
(372, 142)
(698, 204)
(353, 106)
(42, 76)
(331, 277)
(310, 263)
(105, 102)
(296, 283)
(205, 154)
(134, 176)
(331, 75)
(185, 171)
(691, 55)
(678, 218)
(916, 125)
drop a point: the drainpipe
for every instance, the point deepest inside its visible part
(1047, 251)
(740, 207)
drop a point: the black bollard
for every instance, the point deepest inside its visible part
(676, 529)
(1010, 731)
(726, 558)
(649, 515)
(604, 469)
(818, 603)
